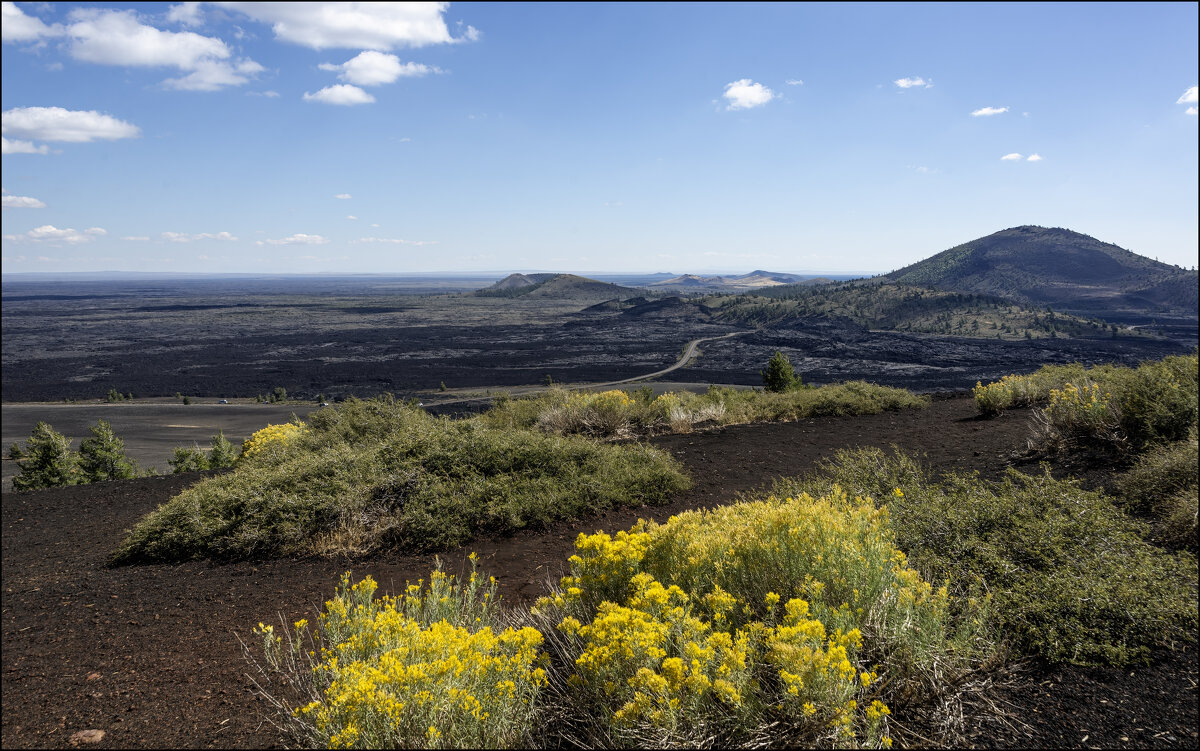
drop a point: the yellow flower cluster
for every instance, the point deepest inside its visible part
(271, 435)
(390, 679)
(1082, 409)
(673, 621)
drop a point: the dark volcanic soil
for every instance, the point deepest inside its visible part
(149, 654)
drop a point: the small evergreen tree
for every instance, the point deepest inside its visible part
(223, 453)
(47, 460)
(779, 374)
(279, 394)
(102, 457)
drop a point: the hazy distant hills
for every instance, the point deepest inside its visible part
(1055, 267)
(557, 287)
(736, 282)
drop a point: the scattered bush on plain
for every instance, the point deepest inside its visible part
(1072, 577)
(623, 414)
(379, 474)
(47, 460)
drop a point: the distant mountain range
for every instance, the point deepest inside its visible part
(738, 282)
(1069, 271)
(556, 286)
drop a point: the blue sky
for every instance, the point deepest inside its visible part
(393, 138)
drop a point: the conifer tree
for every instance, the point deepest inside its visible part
(223, 453)
(47, 460)
(102, 457)
(779, 375)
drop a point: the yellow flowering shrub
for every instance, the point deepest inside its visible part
(427, 669)
(1083, 410)
(269, 436)
(761, 613)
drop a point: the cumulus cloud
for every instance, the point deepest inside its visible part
(913, 82)
(744, 94)
(117, 37)
(344, 196)
(373, 68)
(343, 94)
(20, 202)
(297, 239)
(988, 111)
(1011, 157)
(188, 14)
(1034, 158)
(21, 147)
(364, 26)
(183, 237)
(51, 235)
(58, 124)
(18, 27)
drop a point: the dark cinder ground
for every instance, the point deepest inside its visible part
(150, 654)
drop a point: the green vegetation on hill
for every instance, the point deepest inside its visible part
(1053, 266)
(378, 474)
(902, 307)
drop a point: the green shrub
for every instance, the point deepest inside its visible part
(188, 460)
(435, 668)
(1071, 576)
(377, 474)
(223, 454)
(1163, 485)
(46, 461)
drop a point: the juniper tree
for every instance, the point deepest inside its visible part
(223, 453)
(102, 457)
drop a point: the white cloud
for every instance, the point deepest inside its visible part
(21, 202)
(351, 216)
(344, 196)
(794, 82)
(21, 147)
(913, 82)
(744, 94)
(52, 235)
(1190, 111)
(373, 68)
(342, 94)
(58, 124)
(269, 94)
(15, 26)
(1011, 157)
(1189, 97)
(188, 14)
(393, 241)
(988, 111)
(183, 237)
(351, 25)
(297, 239)
(116, 37)
(136, 238)
(1034, 158)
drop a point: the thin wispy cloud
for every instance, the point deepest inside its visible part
(1189, 97)
(794, 82)
(745, 94)
(184, 237)
(297, 239)
(914, 82)
(343, 196)
(1034, 158)
(393, 241)
(51, 235)
(989, 111)
(1013, 157)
